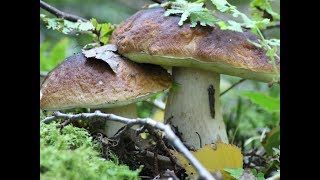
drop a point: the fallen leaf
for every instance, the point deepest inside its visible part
(158, 115)
(105, 53)
(213, 157)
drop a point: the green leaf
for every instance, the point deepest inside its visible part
(86, 26)
(94, 22)
(105, 30)
(264, 101)
(260, 176)
(236, 173)
(254, 172)
(66, 26)
(230, 25)
(173, 11)
(192, 10)
(184, 17)
(264, 5)
(204, 17)
(262, 24)
(221, 5)
(272, 52)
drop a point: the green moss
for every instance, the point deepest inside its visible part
(71, 154)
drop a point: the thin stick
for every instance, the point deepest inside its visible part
(59, 13)
(157, 1)
(162, 144)
(157, 103)
(276, 25)
(169, 134)
(232, 86)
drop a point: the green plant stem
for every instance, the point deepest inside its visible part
(267, 47)
(264, 44)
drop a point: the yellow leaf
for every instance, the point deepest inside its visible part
(158, 115)
(214, 157)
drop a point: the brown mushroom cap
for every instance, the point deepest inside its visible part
(80, 82)
(150, 37)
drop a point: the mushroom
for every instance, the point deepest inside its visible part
(80, 82)
(197, 56)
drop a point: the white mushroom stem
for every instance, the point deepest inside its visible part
(112, 127)
(193, 109)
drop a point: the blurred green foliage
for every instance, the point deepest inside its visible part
(50, 57)
(249, 109)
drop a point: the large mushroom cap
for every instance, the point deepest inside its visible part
(81, 82)
(150, 37)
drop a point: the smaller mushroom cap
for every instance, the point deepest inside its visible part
(80, 82)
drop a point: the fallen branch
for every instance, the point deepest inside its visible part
(59, 13)
(169, 134)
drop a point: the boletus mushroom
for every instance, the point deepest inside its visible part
(197, 56)
(80, 82)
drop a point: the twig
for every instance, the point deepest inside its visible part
(155, 160)
(59, 13)
(169, 134)
(276, 25)
(161, 158)
(162, 144)
(157, 103)
(232, 86)
(157, 1)
(121, 131)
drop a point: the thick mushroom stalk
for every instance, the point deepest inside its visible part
(193, 109)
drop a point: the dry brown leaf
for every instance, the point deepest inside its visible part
(105, 53)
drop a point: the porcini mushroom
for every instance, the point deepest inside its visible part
(198, 56)
(80, 82)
